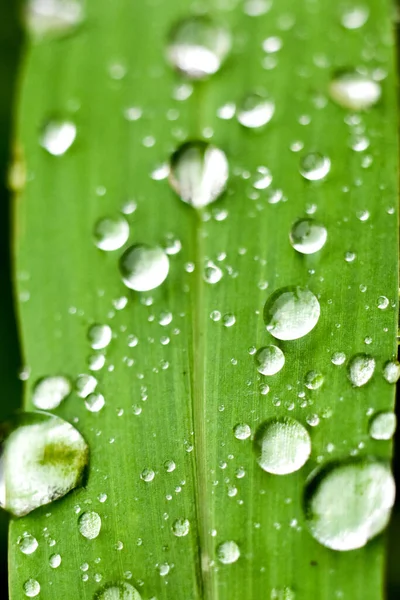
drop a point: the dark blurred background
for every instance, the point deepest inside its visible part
(11, 46)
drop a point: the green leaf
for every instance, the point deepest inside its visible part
(163, 449)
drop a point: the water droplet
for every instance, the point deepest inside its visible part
(49, 392)
(199, 173)
(338, 358)
(291, 313)
(111, 233)
(354, 17)
(255, 111)
(269, 360)
(313, 380)
(143, 267)
(52, 18)
(180, 527)
(361, 368)
(242, 431)
(315, 166)
(354, 91)
(27, 543)
(228, 553)
(282, 446)
(308, 236)
(147, 475)
(58, 136)
(96, 362)
(391, 371)
(212, 274)
(228, 320)
(383, 302)
(348, 504)
(43, 458)
(262, 179)
(55, 561)
(89, 524)
(99, 336)
(169, 466)
(383, 426)
(31, 588)
(198, 46)
(285, 593)
(119, 590)
(95, 402)
(85, 385)
(227, 111)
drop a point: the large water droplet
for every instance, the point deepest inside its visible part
(255, 111)
(111, 233)
(55, 561)
(348, 504)
(143, 267)
(27, 543)
(52, 18)
(308, 236)
(354, 91)
(49, 392)
(43, 458)
(58, 136)
(228, 553)
(199, 173)
(282, 446)
(180, 527)
(119, 590)
(269, 360)
(315, 166)
(291, 313)
(383, 426)
(391, 371)
(197, 47)
(89, 524)
(361, 368)
(31, 588)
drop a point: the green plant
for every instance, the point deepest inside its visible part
(180, 371)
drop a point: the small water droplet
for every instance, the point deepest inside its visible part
(169, 466)
(382, 302)
(180, 527)
(94, 402)
(96, 362)
(212, 274)
(255, 111)
(199, 173)
(49, 392)
(348, 504)
(89, 524)
(383, 426)
(354, 91)
(85, 385)
(55, 561)
(147, 475)
(291, 313)
(269, 360)
(313, 380)
(111, 233)
(58, 136)
(282, 446)
(315, 166)
(354, 17)
(43, 458)
(143, 267)
(391, 371)
(308, 236)
(52, 18)
(99, 336)
(338, 358)
(361, 368)
(228, 320)
(228, 552)
(31, 588)
(198, 46)
(164, 569)
(242, 431)
(119, 590)
(27, 543)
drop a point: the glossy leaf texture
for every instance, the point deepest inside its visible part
(180, 371)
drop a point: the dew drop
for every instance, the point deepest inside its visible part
(111, 233)
(282, 446)
(291, 313)
(99, 336)
(94, 402)
(55, 561)
(96, 362)
(354, 17)
(58, 136)
(89, 524)
(180, 527)
(391, 371)
(31, 588)
(27, 543)
(198, 46)
(85, 385)
(315, 166)
(382, 302)
(354, 91)
(361, 368)
(52, 18)
(383, 426)
(348, 504)
(338, 358)
(269, 360)
(147, 475)
(242, 431)
(119, 590)
(169, 466)
(43, 458)
(49, 392)
(308, 236)
(143, 267)
(313, 380)
(228, 553)
(255, 111)
(199, 173)
(212, 274)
